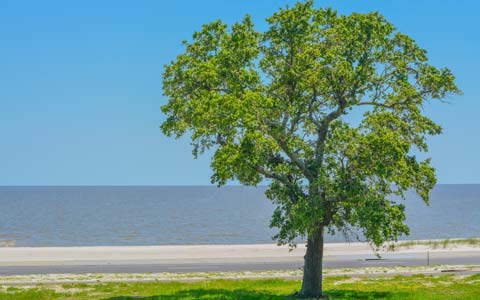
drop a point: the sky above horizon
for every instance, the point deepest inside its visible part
(80, 86)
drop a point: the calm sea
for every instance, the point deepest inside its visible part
(84, 216)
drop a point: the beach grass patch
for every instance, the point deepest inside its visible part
(439, 244)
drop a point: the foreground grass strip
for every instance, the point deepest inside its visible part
(445, 287)
(196, 276)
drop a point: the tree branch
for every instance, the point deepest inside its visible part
(272, 175)
(323, 130)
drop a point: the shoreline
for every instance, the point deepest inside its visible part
(399, 242)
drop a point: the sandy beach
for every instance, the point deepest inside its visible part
(124, 255)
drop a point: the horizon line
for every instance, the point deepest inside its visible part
(165, 185)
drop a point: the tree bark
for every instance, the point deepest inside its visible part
(312, 271)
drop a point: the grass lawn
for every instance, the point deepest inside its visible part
(448, 287)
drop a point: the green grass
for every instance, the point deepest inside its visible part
(7, 243)
(445, 287)
(440, 244)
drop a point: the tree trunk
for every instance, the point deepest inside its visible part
(312, 271)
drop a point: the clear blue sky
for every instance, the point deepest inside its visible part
(80, 86)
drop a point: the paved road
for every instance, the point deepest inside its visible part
(342, 261)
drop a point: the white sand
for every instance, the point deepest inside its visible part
(108, 255)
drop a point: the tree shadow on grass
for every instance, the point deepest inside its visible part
(222, 294)
(208, 294)
(363, 295)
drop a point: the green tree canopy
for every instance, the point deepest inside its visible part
(278, 106)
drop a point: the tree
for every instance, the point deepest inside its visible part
(325, 108)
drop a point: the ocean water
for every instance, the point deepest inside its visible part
(87, 216)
